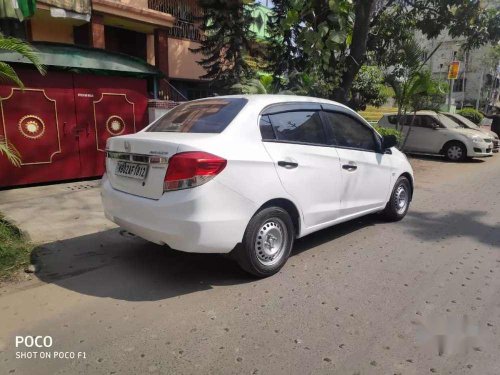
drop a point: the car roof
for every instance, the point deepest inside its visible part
(268, 99)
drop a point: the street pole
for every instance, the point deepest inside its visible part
(479, 90)
(464, 77)
(450, 91)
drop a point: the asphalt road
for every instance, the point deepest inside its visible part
(366, 297)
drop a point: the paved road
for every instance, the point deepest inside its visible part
(366, 297)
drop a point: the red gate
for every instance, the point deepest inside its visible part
(60, 123)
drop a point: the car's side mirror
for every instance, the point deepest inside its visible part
(389, 141)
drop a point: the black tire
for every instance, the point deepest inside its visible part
(393, 210)
(455, 151)
(255, 255)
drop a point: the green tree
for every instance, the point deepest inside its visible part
(338, 37)
(414, 88)
(24, 49)
(427, 92)
(368, 88)
(251, 86)
(9, 151)
(413, 85)
(7, 73)
(227, 38)
(284, 54)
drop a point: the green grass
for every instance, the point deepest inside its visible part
(15, 250)
(373, 114)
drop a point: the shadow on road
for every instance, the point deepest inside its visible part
(430, 226)
(117, 265)
(332, 233)
(441, 159)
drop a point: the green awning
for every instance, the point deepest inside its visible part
(17, 9)
(82, 59)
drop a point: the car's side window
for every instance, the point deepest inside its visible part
(266, 129)
(349, 132)
(410, 121)
(429, 122)
(303, 126)
(392, 119)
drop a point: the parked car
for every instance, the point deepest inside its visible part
(434, 133)
(466, 123)
(250, 174)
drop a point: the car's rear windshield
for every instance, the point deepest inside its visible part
(200, 116)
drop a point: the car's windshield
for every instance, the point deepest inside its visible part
(448, 123)
(465, 121)
(200, 116)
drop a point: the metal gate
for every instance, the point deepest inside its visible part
(60, 123)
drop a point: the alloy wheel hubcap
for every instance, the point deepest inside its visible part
(455, 152)
(270, 242)
(401, 199)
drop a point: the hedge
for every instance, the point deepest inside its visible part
(471, 114)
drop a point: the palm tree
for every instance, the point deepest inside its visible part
(410, 80)
(8, 73)
(10, 152)
(250, 86)
(25, 50)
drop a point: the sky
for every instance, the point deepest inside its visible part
(268, 3)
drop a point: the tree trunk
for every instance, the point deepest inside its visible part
(363, 12)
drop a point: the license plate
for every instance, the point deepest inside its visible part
(133, 170)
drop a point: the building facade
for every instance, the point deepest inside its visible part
(160, 32)
(109, 64)
(476, 79)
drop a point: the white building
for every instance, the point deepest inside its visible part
(475, 78)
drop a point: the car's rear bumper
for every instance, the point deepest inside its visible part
(208, 219)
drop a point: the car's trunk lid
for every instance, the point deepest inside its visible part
(137, 163)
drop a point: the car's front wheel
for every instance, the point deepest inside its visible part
(398, 204)
(267, 242)
(455, 151)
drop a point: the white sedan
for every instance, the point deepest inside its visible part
(430, 132)
(468, 124)
(250, 174)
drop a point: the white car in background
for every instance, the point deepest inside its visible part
(465, 122)
(434, 133)
(250, 174)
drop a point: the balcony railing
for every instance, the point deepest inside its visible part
(186, 13)
(185, 10)
(185, 30)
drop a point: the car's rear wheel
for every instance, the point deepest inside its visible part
(398, 204)
(267, 242)
(455, 151)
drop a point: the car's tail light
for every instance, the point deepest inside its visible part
(189, 169)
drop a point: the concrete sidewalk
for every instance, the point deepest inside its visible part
(56, 212)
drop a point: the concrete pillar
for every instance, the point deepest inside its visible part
(97, 37)
(161, 50)
(150, 49)
(161, 61)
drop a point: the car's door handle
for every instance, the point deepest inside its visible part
(288, 164)
(350, 167)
